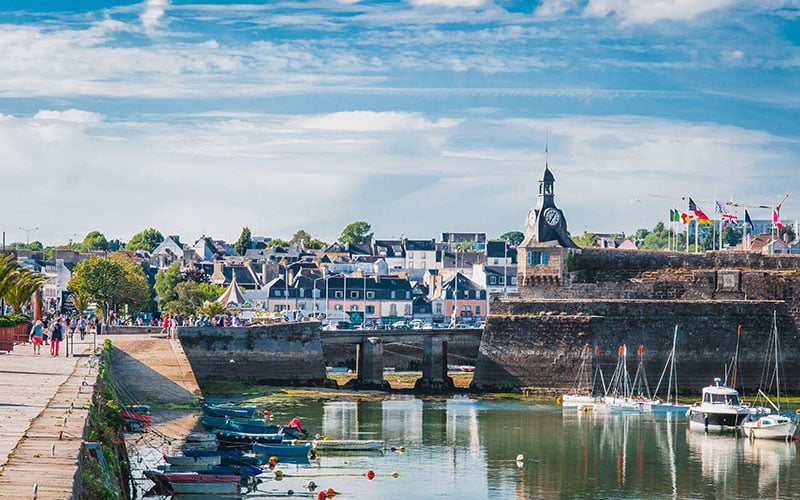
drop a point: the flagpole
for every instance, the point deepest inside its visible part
(696, 233)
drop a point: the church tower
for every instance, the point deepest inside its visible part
(543, 257)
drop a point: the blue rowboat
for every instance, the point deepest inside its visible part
(282, 450)
(233, 457)
(229, 411)
(233, 439)
(254, 425)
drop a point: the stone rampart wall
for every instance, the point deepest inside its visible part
(538, 343)
(281, 354)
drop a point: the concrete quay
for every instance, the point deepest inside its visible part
(43, 413)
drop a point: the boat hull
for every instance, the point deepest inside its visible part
(282, 450)
(206, 488)
(198, 461)
(232, 439)
(229, 411)
(577, 400)
(770, 427)
(716, 419)
(347, 444)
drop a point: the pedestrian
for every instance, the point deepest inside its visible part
(37, 336)
(173, 328)
(82, 327)
(72, 325)
(165, 326)
(57, 336)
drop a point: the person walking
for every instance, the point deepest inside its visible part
(165, 326)
(57, 336)
(37, 336)
(82, 327)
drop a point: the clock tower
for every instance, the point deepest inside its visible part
(546, 222)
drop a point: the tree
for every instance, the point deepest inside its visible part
(98, 278)
(245, 241)
(188, 298)
(147, 240)
(95, 241)
(194, 274)
(211, 309)
(513, 237)
(7, 278)
(356, 233)
(586, 240)
(210, 291)
(166, 281)
(115, 245)
(133, 290)
(315, 244)
(300, 237)
(26, 284)
(277, 242)
(81, 302)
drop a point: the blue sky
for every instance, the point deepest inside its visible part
(418, 116)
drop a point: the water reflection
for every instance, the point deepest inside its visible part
(771, 457)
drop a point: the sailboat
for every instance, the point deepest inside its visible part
(619, 396)
(671, 404)
(771, 426)
(580, 395)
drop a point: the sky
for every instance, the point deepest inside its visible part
(416, 116)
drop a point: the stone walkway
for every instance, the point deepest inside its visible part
(43, 411)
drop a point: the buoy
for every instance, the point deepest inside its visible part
(266, 414)
(520, 457)
(401, 449)
(273, 459)
(370, 474)
(290, 493)
(330, 492)
(311, 485)
(278, 474)
(395, 475)
(558, 400)
(321, 495)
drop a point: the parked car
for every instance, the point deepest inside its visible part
(400, 325)
(416, 324)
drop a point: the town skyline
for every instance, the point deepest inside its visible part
(417, 116)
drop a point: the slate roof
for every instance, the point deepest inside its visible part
(419, 245)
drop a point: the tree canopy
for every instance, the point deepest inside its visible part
(513, 237)
(147, 240)
(245, 241)
(356, 233)
(166, 281)
(95, 240)
(116, 279)
(586, 240)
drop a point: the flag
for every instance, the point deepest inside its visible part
(776, 219)
(674, 215)
(725, 215)
(701, 217)
(749, 221)
(685, 218)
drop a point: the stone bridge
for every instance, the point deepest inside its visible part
(292, 353)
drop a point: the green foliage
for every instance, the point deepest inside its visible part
(586, 240)
(133, 290)
(513, 237)
(13, 320)
(194, 274)
(465, 246)
(358, 232)
(188, 298)
(245, 241)
(27, 282)
(300, 237)
(277, 242)
(95, 240)
(100, 278)
(731, 236)
(315, 244)
(147, 240)
(211, 309)
(115, 246)
(81, 301)
(8, 268)
(166, 281)
(210, 291)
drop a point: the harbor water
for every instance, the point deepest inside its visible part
(473, 449)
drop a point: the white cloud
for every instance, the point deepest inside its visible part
(450, 4)
(153, 12)
(555, 8)
(371, 121)
(651, 11)
(70, 115)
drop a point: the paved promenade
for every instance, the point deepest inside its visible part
(43, 410)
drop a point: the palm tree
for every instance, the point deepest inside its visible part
(81, 301)
(26, 283)
(7, 276)
(212, 309)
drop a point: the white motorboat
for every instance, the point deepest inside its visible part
(719, 409)
(580, 395)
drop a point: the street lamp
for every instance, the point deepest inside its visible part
(28, 230)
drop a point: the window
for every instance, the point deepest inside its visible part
(354, 308)
(537, 258)
(337, 307)
(514, 280)
(407, 310)
(438, 308)
(338, 294)
(393, 310)
(370, 294)
(501, 280)
(353, 294)
(370, 309)
(492, 280)
(394, 294)
(477, 310)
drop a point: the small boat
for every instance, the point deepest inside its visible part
(257, 425)
(228, 470)
(279, 450)
(169, 483)
(347, 444)
(142, 419)
(233, 439)
(229, 411)
(719, 409)
(183, 460)
(201, 437)
(235, 457)
(671, 405)
(580, 395)
(771, 426)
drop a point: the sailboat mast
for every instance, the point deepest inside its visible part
(777, 371)
(672, 367)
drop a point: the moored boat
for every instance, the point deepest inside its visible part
(229, 411)
(256, 425)
(719, 409)
(347, 444)
(283, 449)
(167, 483)
(233, 439)
(183, 460)
(580, 395)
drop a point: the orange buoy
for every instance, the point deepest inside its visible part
(395, 475)
(370, 474)
(321, 495)
(330, 492)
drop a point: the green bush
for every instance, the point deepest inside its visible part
(13, 320)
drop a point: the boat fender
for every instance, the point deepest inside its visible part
(370, 474)
(520, 458)
(290, 493)
(311, 485)
(330, 492)
(273, 460)
(559, 400)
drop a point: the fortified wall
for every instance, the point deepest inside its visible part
(609, 298)
(280, 354)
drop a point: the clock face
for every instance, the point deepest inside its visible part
(552, 217)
